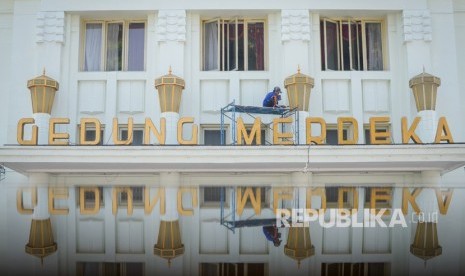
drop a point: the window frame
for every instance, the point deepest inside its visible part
(221, 53)
(103, 48)
(363, 21)
(122, 128)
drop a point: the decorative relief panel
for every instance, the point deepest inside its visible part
(129, 236)
(336, 96)
(171, 25)
(50, 27)
(253, 92)
(131, 97)
(376, 96)
(214, 95)
(417, 25)
(90, 236)
(295, 25)
(91, 97)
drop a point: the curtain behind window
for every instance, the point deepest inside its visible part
(114, 47)
(256, 46)
(136, 47)
(211, 46)
(374, 46)
(93, 47)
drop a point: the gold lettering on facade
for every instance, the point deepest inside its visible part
(195, 130)
(255, 132)
(341, 123)
(115, 131)
(53, 136)
(20, 132)
(379, 137)
(150, 128)
(282, 138)
(315, 139)
(82, 131)
(443, 127)
(409, 133)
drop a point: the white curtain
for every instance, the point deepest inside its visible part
(114, 42)
(136, 47)
(374, 46)
(93, 47)
(211, 46)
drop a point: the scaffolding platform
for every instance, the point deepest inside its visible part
(232, 109)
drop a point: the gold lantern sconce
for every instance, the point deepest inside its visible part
(43, 89)
(299, 87)
(299, 245)
(426, 244)
(169, 244)
(169, 92)
(41, 243)
(425, 89)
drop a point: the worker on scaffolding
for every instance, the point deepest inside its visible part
(272, 98)
(272, 234)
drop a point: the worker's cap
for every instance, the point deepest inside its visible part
(277, 89)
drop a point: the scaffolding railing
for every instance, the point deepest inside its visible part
(232, 109)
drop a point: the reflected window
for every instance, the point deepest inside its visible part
(137, 136)
(355, 269)
(226, 269)
(107, 269)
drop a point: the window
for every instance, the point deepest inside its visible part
(380, 193)
(352, 45)
(382, 128)
(137, 196)
(233, 45)
(90, 134)
(226, 269)
(114, 46)
(331, 136)
(103, 269)
(89, 197)
(137, 136)
(210, 197)
(354, 269)
(212, 137)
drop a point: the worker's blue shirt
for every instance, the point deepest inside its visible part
(269, 232)
(269, 99)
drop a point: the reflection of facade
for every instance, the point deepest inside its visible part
(126, 163)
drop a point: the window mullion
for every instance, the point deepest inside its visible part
(341, 47)
(103, 52)
(325, 44)
(349, 27)
(364, 47)
(246, 48)
(236, 44)
(218, 44)
(227, 47)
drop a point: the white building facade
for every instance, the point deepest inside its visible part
(118, 157)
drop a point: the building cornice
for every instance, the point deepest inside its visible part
(139, 159)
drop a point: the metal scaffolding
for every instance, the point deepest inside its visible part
(229, 220)
(232, 108)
